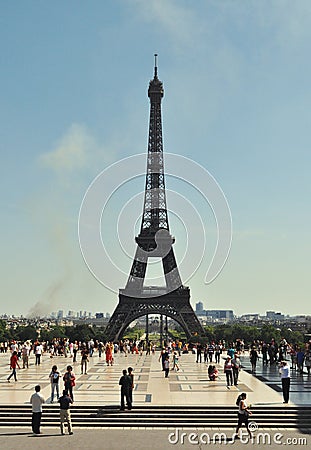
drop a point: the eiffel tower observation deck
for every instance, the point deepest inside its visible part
(154, 241)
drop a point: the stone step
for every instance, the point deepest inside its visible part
(110, 416)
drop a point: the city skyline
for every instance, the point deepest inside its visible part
(236, 102)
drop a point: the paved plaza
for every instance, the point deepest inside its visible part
(189, 387)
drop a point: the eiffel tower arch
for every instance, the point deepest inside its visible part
(154, 241)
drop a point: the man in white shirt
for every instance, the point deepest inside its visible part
(36, 401)
(285, 378)
(38, 353)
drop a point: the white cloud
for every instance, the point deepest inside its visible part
(175, 19)
(71, 152)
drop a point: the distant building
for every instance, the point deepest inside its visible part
(249, 317)
(199, 308)
(99, 315)
(220, 314)
(272, 315)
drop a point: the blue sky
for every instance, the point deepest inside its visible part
(74, 79)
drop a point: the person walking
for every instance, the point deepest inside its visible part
(236, 367)
(84, 360)
(285, 378)
(75, 349)
(228, 371)
(253, 355)
(109, 355)
(125, 382)
(54, 379)
(167, 366)
(25, 355)
(218, 351)
(65, 416)
(243, 414)
(300, 359)
(69, 381)
(36, 401)
(13, 365)
(162, 357)
(175, 361)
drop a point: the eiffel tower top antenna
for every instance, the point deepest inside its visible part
(155, 65)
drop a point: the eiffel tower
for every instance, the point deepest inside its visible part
(154, 240)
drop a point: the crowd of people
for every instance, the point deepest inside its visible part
(210, 353)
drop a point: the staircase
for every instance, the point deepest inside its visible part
(161, 416)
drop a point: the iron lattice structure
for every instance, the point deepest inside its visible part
(154, 240)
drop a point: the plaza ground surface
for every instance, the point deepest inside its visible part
(187, 387)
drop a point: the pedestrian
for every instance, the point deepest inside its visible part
(64, 412)
(211, 349)
(300, 359)
(100, 349)
(148, 347)
(228, 371)
(75, 349)
(125, 382)
(130, 374)
(84, 360)
(243, 414)
(38, 353)
(167, 366)
(308, 361)
(13, 365)
(25, 355)
(264, 351)
(231, 351)
(253, 358)
(218, 351)
(236, 367)
(175, 361)
(205, 353)
(285, 378)
(108, 351)
(54, 379)
(69, 381)
(162, 357)
(36, 401)
(199, 353)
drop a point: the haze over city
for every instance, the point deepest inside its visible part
(236, 101)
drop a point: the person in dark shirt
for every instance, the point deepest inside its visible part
(65, 416)
(253, 358)
(130, 374)
(125, 382)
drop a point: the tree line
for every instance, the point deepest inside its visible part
(228, 332)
